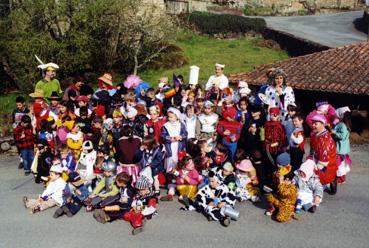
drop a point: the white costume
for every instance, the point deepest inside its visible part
(223, 82)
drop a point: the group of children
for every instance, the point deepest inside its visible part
(113, 149)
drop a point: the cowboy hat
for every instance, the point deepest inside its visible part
(54, 97)
(107, 78)
(37, 94)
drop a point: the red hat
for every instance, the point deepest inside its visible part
(274, 111)
(82, 98)
(230, 112)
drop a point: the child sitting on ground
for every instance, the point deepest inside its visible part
(120, 205)
(247, 181)
(227, 177)
(310, 190)
(52, 195)
(143, 205)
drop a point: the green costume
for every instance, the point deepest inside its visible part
(49, 87)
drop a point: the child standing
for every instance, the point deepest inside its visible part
(52, 195)
(25, 141)
(341, 134)
(190, 119)
(297, 142)
(275, 135)
(207, 122)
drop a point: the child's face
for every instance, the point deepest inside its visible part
(274, 117)
(172, 117)
(64, 153)
(75, 129)
(255, 115)
(318, 126)
(108, 173)
(20, 105)
(218, 153)
(200, 103)
(54, 102)
(142, 92)
(154, 115)
(143, 192)
(297, 122)
(213, 182)
(302, 174)
(243, 106)
(190, 98)
(205, 148)
(62, 109)
(190, 112)
(226, 172)
(183, 92)
(54, 176)
(291, 113)
(117, 119)
(190, 165)
(228, 104)
(208, 110)
(150, 94)
(97, 125)
(121, 184)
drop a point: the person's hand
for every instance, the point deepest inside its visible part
(317, 200)
(92, 195)
(211, 204)
(274, 144)
(143, 147)
(123, 199)
(227, 132)
(221, 204)
(233, 139)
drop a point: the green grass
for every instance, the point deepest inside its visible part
(239, 55)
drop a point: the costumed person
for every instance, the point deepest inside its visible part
(174, 135)
(41, 112)
(86, 162)
(219, 75)
(297, 142)
(190, 120)
(341, 134)
(213, 199)
(119, 205)
(143, 205)
(76, 192)
(44, 161)
(49, 83)
(323, 152)
(310, 190)
(243, 90)
(105, 83)
(54, 100)
(107, 137)
(230, 130)
(247, 181)
(155, 123)
(243, 115)
(278, 93)
(207, 122)
(287, 121)
(117, 126)
(52, 195)
(76, 86)
(326, 109)
(25, 140)
(227, 176)
(150, 155)
(127, 145)
(214, 93)
(269, 75)
(75, 140)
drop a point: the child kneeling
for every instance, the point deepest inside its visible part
(52, 195)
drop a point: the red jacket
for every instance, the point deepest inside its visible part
(24, 137)
(274, 132)
(233, 126)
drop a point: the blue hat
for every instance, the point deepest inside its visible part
(283, 159)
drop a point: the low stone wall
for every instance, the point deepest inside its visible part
(293, 45)
(7, 146)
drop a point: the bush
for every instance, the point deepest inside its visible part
(215, 24)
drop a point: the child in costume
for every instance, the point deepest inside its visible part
(247, 181)
(341, 134)
(86, 162)
(310, 190)
(127, 145)
(155, 123)
(143, 205)
(75, 140)
(105, 187)
(212, 199)
(77, 193)
(229, 129)
(68, 162)
(242, 113)
(25, 141)
(107, 136)
(151, 155)
(52, 195)
(287, 121)
(218, 157)
(174, 135)
(119, 206)
(275, 136)
(190, 120)
(187, 177)
(206, 126)
(117, 126)
(227, 177)
(44, 161)
(297, 142)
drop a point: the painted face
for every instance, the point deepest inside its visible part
(172, 117)
(274, 117)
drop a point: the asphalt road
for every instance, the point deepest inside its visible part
(341, 221)
(331, 30)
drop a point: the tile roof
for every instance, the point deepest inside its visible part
(340, 70)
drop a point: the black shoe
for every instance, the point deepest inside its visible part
(100, 216)
(137, 230)
(27, 172)
(312, 209)
(333, 187)
(67, 211)
(59, 212)
(226, 221)
(20, 166)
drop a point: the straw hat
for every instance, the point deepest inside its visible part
(37, 94)
(107, 78)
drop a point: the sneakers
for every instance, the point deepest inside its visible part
(137, 230)
(166, 198)
(312, 209)
(269, 211)
(25, 200)
(185, 201)
(157, 193)
(67, 211)
(27, 172)
(226, 221)
(35, 210)
(333, 187)
(59, 212)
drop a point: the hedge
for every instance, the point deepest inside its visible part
(223, 23)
